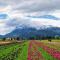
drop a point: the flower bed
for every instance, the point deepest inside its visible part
(51, 51)
(33, 53)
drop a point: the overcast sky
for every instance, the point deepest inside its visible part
(30, 13)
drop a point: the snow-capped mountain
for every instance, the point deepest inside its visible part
(29, 32)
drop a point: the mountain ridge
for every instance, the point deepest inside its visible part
(29, 32)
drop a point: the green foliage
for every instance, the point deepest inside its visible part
(14, 51)
(23, 52)
(9, 51)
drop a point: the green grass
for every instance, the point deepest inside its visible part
(54, 44)
(15, 51)
(8, 50)
(45, 41)
(24, 53)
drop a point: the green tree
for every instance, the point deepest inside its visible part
(4, 39)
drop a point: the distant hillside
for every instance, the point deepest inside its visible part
(29, 32)
(1, 36)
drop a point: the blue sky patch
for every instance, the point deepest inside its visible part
(3, 16)
(46, 17)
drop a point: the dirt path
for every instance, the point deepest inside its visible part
(4, 42)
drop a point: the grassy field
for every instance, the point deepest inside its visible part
(30, 50)
(54, 44)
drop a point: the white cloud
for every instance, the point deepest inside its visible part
(38, 22)
(19, 10)
(5, 30)
(56, 13)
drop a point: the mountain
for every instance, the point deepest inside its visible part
(1, 36)
(29, 32)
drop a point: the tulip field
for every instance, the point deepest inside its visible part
(30, 50)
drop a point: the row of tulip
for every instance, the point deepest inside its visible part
(51, 51)
(33, 53)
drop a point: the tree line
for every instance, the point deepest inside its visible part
(33, 38)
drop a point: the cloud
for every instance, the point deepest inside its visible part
(14, 13)
(4, 29)
(37, 23)
(33, 5)
(34, 22)
(40, 5)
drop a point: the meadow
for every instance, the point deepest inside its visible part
(30, 50)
